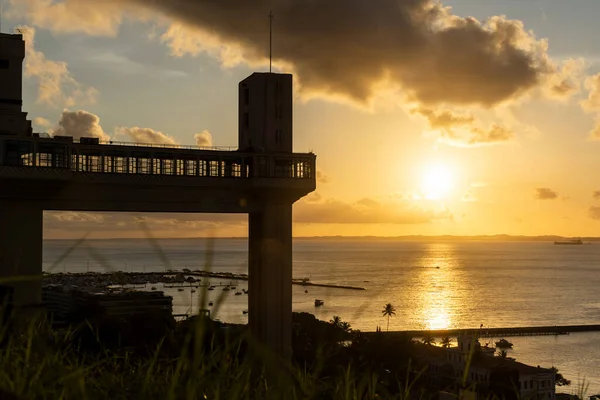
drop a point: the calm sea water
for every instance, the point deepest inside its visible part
(433, 285)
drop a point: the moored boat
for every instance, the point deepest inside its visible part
(319, 303)
(504, 344)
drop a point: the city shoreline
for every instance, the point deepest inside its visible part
(105, 279)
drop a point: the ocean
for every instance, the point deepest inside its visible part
(433, 285)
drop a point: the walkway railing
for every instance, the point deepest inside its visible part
(143, 159)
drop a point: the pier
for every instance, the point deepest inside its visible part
(496, 332)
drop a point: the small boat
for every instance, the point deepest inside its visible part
(180, 290)
(319, 303)
(211, 288)
(193, 291)
(245, 312)
(306, 291)
(226, 289)
(504, 344)
(153, 287)
(238, 293)
(210, 303)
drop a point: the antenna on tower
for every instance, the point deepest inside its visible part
(271, 16)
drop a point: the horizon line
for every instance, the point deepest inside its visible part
(490, 236)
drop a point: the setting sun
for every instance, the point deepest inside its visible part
(437, 181)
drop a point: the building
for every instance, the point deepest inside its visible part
(265, 113)
(67, 303)
(13, 121)
(470, 366)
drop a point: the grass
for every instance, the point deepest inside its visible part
(38, 362)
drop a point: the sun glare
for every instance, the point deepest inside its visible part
(437, 182)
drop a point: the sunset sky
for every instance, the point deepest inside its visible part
(461, 117)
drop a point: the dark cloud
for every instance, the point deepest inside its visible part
(596, 195)
(344, 47)
(545, 194)
(341, 47)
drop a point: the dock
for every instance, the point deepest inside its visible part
(553, 330)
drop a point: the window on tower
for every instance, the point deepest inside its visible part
(246, 96)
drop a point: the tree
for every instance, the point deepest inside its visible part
(502, 354)
(336, 321)
(428, 340)
(559, 379)
(446, 342)
(345, 326)
(388, 311)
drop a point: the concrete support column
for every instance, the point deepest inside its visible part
(270, 277)
(21, 233)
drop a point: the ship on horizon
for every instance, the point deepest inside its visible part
(569, 242)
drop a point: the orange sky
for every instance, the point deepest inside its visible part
(475, 119)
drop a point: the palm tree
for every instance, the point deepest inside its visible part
(388, 310)
(345, 326)
(336, 321)
(446, 342)
(428, 340)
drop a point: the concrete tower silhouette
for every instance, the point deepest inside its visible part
(13, 120)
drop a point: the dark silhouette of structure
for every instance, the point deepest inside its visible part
(263, 178)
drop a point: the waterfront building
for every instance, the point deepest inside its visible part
(69, 302)
(473, 367)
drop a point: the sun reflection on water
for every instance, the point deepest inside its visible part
(440, 283)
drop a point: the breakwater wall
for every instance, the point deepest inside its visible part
(496, 332)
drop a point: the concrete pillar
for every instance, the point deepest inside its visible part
(21, 233)
(270, 277)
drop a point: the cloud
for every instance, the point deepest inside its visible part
(43, 122)
(338, 47)
(567, 81)
(56, 85)
(80, 124)
(545, 194)
(592, 103)
(70, 16)
(322, 177)
(320, 210)
(145, 135)
(86, 124)
(596, 195)
(594, 212)
(121, 64)
(203, 139)
(312, 209)
(463, 130)
(70, 224)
